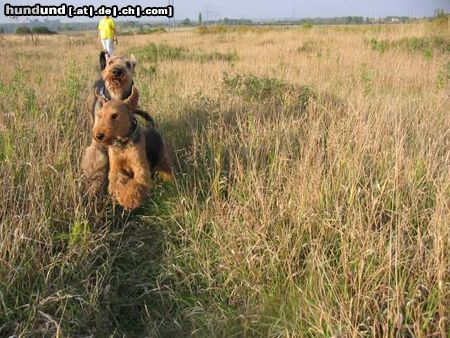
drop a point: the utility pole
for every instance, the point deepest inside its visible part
(293, 10)
(207, 9)
(209, 13)
(171, 20)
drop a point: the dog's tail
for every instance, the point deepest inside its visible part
(146, 116)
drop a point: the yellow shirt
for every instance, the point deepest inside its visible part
(106, 28)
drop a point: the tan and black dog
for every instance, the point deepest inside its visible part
(115, 82)
(136, 154)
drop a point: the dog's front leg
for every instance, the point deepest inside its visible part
(137, 187)
(117, 179)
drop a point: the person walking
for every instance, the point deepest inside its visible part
(107, 35)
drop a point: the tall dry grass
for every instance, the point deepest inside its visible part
(311, 198)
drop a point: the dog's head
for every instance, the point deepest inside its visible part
(118, 75)
(115, 118)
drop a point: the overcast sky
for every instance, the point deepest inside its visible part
(269, 9)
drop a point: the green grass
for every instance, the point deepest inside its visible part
(266, 88)
(162, 52)
(425, 45)
(443, 77)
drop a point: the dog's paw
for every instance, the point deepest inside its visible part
(129, 203)
(131, 196)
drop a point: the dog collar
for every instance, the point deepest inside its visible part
(104, 94)
(131, 137)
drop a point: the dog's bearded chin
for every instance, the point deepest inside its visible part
(114, 86)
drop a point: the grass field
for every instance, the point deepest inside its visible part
(311, 196)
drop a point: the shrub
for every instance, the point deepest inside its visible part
(43, 30)
(162, 52)
(440, 23)
(186, 22)
(444, 76)
(425, 45)
(216, 56)
(158, 52)
(202, 29)
(23, 30)
(380, 46)
(308, 47)
(218, 29)
(267, 88)
(150, 30)
(251, 86)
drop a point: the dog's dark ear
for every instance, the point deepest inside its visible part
(102, 60)
(132, 100)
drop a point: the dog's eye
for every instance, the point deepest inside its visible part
(114, 116)
(128, 65)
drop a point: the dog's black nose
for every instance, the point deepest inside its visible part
(117, 71)
(100, 136)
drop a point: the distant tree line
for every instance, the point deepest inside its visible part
(53, 26)
(40, 30)
(346, 20)
(225, 21)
